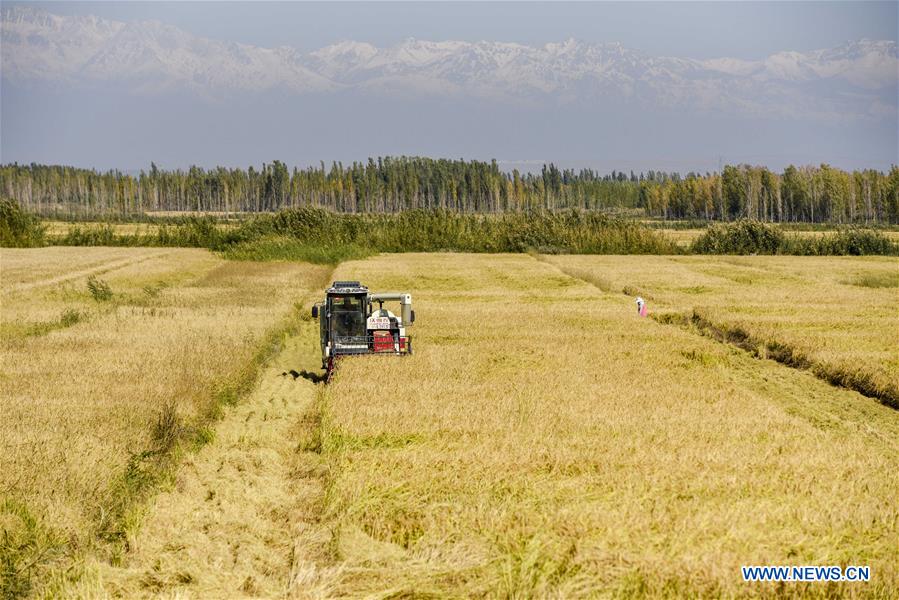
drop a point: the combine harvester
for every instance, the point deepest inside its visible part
(349, 325)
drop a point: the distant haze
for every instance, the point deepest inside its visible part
(119, 86)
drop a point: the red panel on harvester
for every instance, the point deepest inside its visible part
(383, 341)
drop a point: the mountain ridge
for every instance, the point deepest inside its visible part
(153, 57)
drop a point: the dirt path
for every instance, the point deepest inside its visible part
(240, 519)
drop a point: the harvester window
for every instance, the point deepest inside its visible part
(348, 318)
(346, 303)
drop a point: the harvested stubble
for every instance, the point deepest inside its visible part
(240, 517)
(544, 440)
(88, 405)
(837, 316)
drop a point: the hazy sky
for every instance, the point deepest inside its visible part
(139, 95)
(749, 30)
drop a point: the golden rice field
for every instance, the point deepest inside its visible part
(543, 440)
(86, 385)
(841, 314)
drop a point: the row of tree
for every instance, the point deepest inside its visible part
(385, 185)
(804, 194)
(388, 185)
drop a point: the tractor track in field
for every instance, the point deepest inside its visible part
(761, 349)
(101, 269)
(243, 517)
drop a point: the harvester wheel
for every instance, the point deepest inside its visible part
(329, 373)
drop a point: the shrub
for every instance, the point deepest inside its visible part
(191, 232)
(439, 230)
(322, 236)
(69, 317)
(18, 229)
(753, 237)
(740, 237)
(853, 241)
(167, 429)
(95, 235)
(287, 248)
(99, 289)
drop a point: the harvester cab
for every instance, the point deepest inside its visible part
(354, 321)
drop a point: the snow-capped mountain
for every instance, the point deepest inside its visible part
(39, 45)
(152, 57)
(865, 63)
(147, 56)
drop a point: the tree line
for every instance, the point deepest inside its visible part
(397, 184)
(799, 194)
